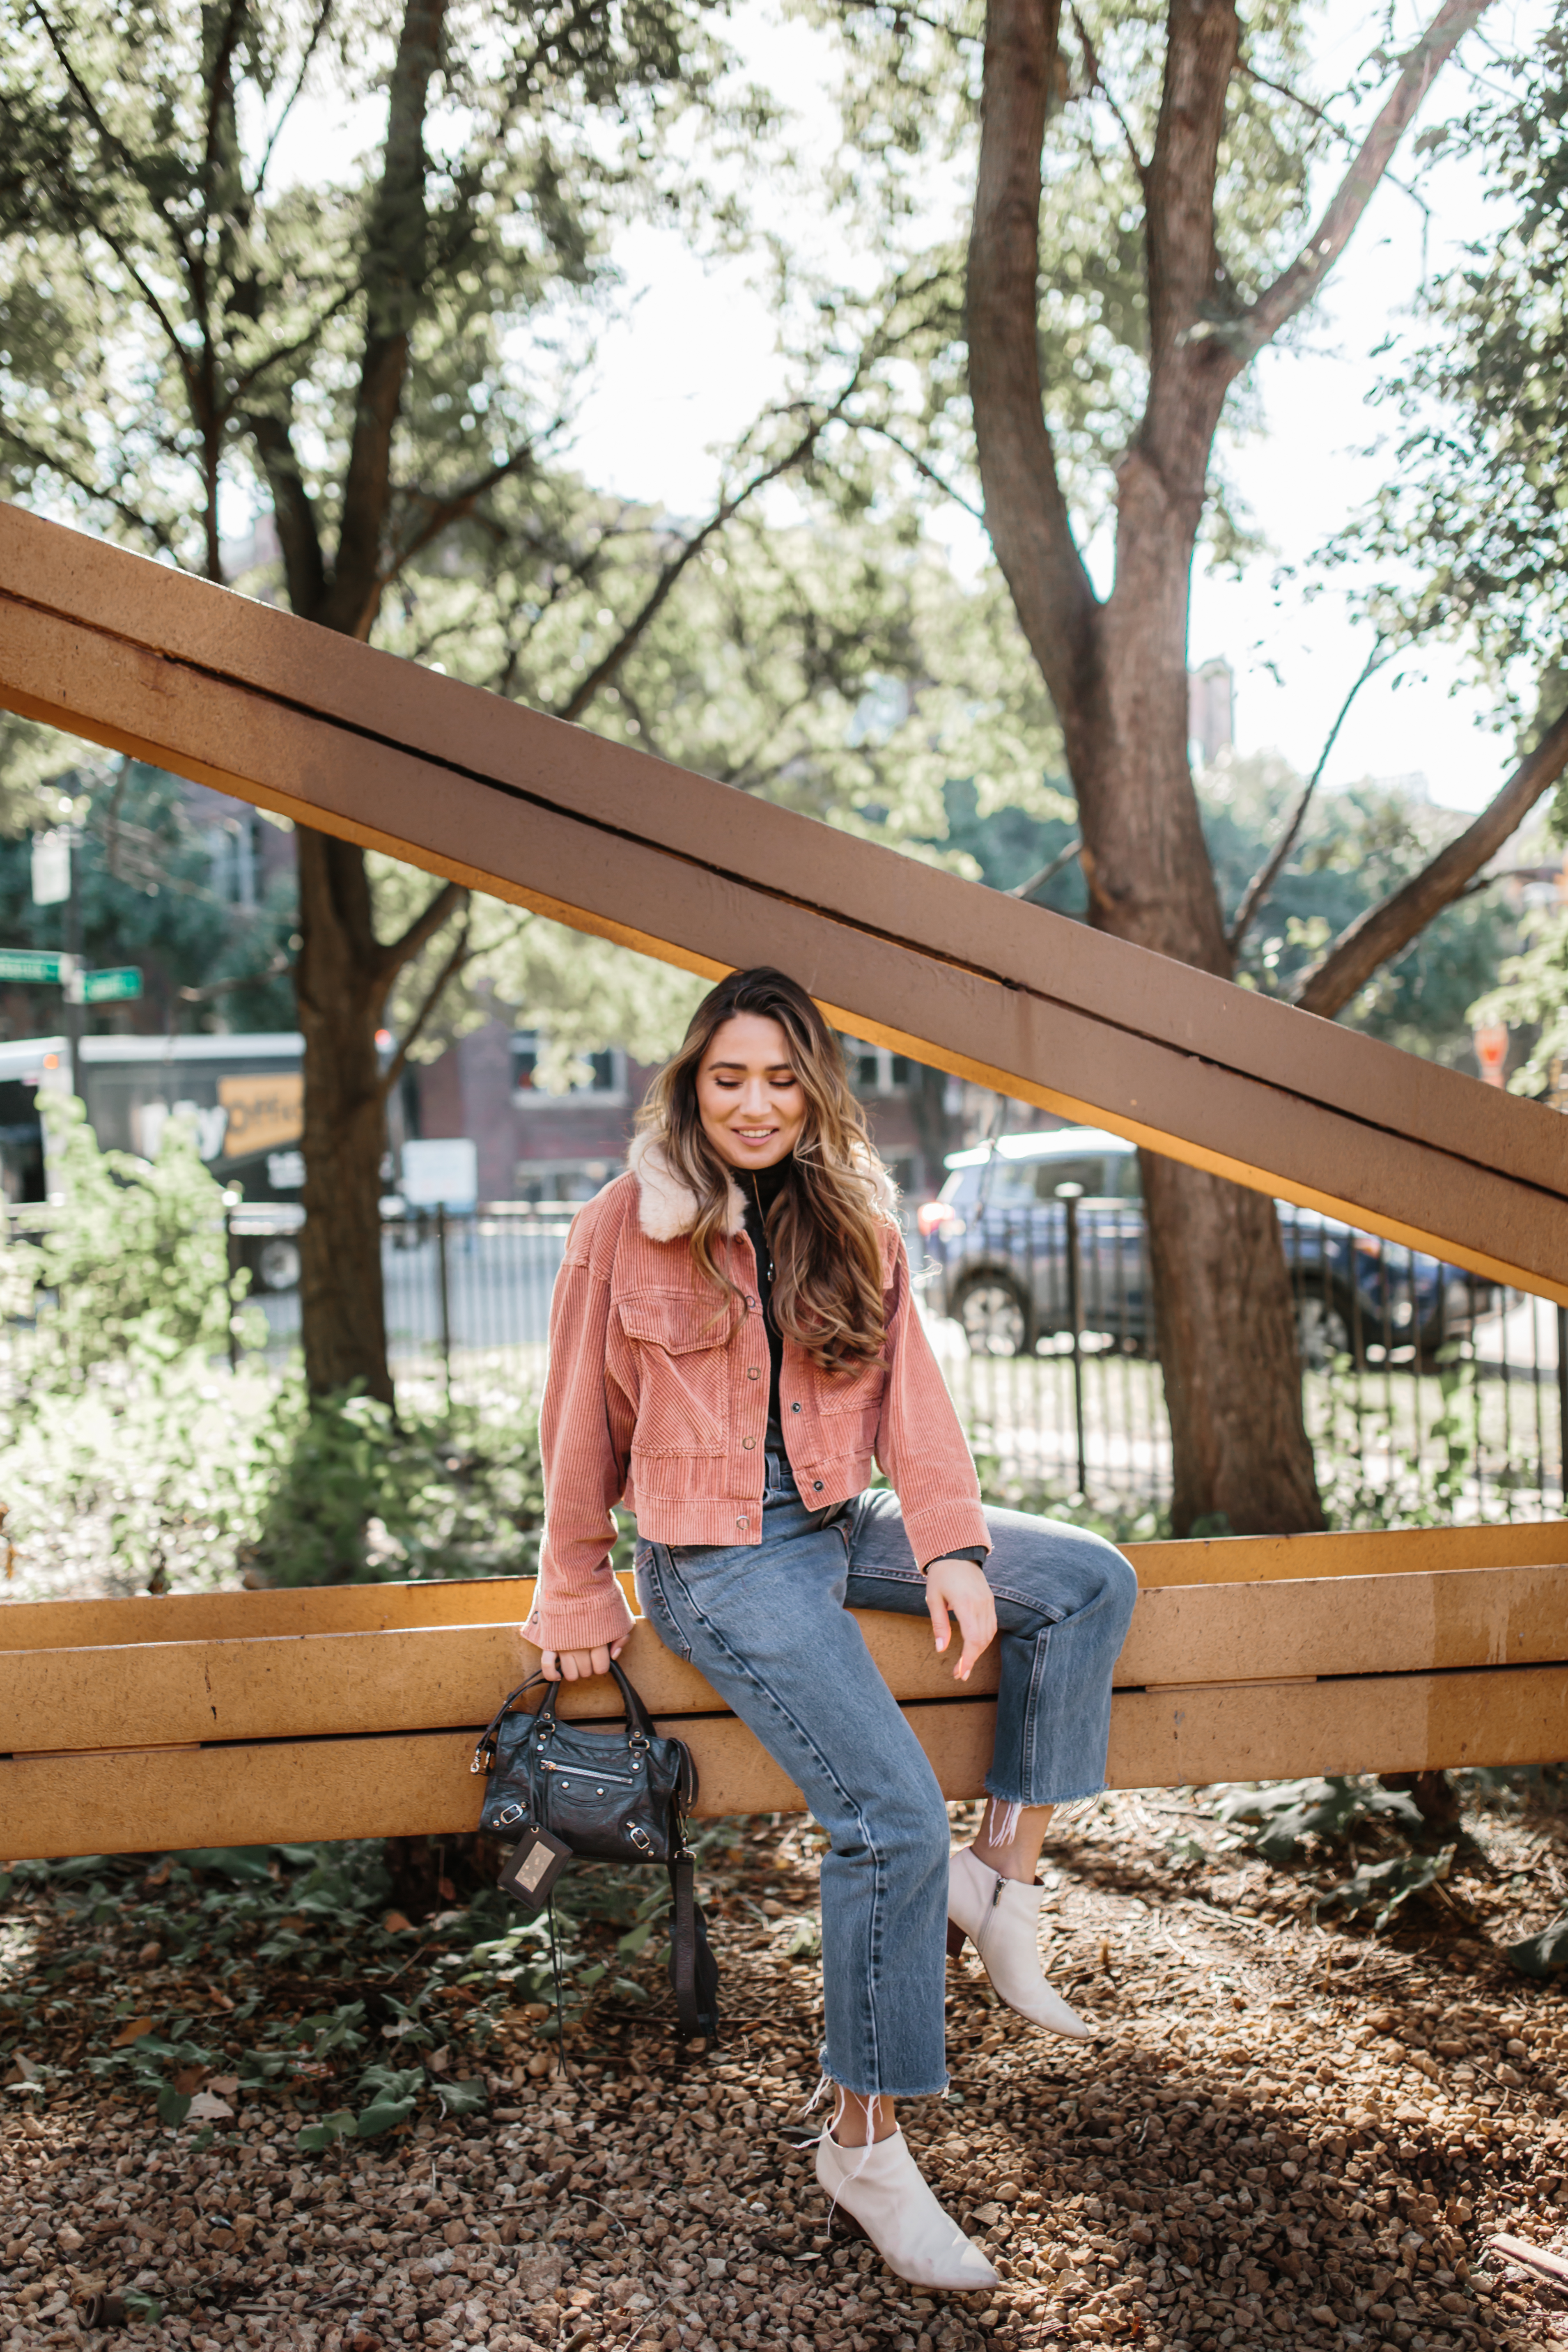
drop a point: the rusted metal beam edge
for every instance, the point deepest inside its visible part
(1305, 1086)
(62, 572)
(1494, 1202)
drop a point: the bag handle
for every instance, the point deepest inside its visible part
(485, 1753)
(639, 1723)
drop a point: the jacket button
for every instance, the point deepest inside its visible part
(743, 1523)
(794, 1408)
(817, 1486)
(751, 1302)
(752, 1373)
(748, 1443)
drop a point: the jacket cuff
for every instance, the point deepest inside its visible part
(578, 1621)
(946, 1529)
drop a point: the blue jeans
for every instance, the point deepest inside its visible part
(767, 1625)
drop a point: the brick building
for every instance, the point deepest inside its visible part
(534, 1145)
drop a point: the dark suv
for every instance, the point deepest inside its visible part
(996, 1237)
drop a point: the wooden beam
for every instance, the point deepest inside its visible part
(500, 1600)
(1378, 1551)
(412, 1783)
(131, 654)
(419, 1679)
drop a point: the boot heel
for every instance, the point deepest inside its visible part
(956, 1940)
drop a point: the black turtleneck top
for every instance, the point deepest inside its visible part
(760, 1188)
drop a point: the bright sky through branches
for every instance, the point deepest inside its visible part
(694, 360)
(686, 361)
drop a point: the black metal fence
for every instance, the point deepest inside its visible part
(1428, 1392)
(464, 1292)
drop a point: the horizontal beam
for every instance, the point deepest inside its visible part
(132, 655)
(498, 1600)
(418, 1784)
(418, 1679)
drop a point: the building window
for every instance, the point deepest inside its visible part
(873, 1070)
(608, 1071)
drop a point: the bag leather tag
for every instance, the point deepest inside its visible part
(531, 1869)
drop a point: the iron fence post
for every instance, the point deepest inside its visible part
(1068, 1195)
(230, 1318)
(445, 1298)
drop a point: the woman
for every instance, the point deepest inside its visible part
(732, 1337)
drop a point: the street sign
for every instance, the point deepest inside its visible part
(116, 987)
(52, 866)
(36, 964)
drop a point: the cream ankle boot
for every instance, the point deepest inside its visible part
(1000, 1917)
(883, 2188)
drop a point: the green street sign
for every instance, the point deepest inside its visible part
(116, 987)
(37, 965)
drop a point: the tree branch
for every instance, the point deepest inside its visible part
(156, 531)
(605, 669)
(274, 970)
(439, 513)
(323, 17)
(391, 957)
(1296, 286)
(922, 466)
(1026, 510)
(1096, 82)
(395, 275)
(448, 971)
(304, 567)
(1268, 874)
(1283, 89)
(1047, 873)
(1382, 930)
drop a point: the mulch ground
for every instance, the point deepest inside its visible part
(1286, 2134)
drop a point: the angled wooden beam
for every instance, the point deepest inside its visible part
(132, 655)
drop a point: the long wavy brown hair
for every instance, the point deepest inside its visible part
(826, 1227)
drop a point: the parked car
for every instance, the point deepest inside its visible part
(996, 1240)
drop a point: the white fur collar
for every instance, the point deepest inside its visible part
(667, 1207)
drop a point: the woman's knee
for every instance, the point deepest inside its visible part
(907, 1824)
(1072, 1569)
(1118, 1581)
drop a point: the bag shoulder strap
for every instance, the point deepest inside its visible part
(693, 1971)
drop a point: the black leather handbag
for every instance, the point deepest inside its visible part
(565, 1790)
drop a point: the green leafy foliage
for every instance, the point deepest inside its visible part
(1286, 1812)
(155, 889)
(1542, 1955)
(357, 1492)
(117, 1451)
(1386, 1886)
(136, 1268)
(1472, 524)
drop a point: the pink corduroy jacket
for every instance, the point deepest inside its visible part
(655, 1401)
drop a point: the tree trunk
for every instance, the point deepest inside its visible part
(936, 1131)
(340, 987)
(1224, 1314)
(1117, 673)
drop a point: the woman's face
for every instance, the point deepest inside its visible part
(751, 1104)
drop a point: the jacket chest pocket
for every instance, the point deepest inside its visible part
(682, 1346)
(858, 1391)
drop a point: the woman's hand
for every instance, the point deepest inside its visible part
(960, 1586)
(581, 1665)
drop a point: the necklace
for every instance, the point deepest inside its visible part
(762, 1220)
